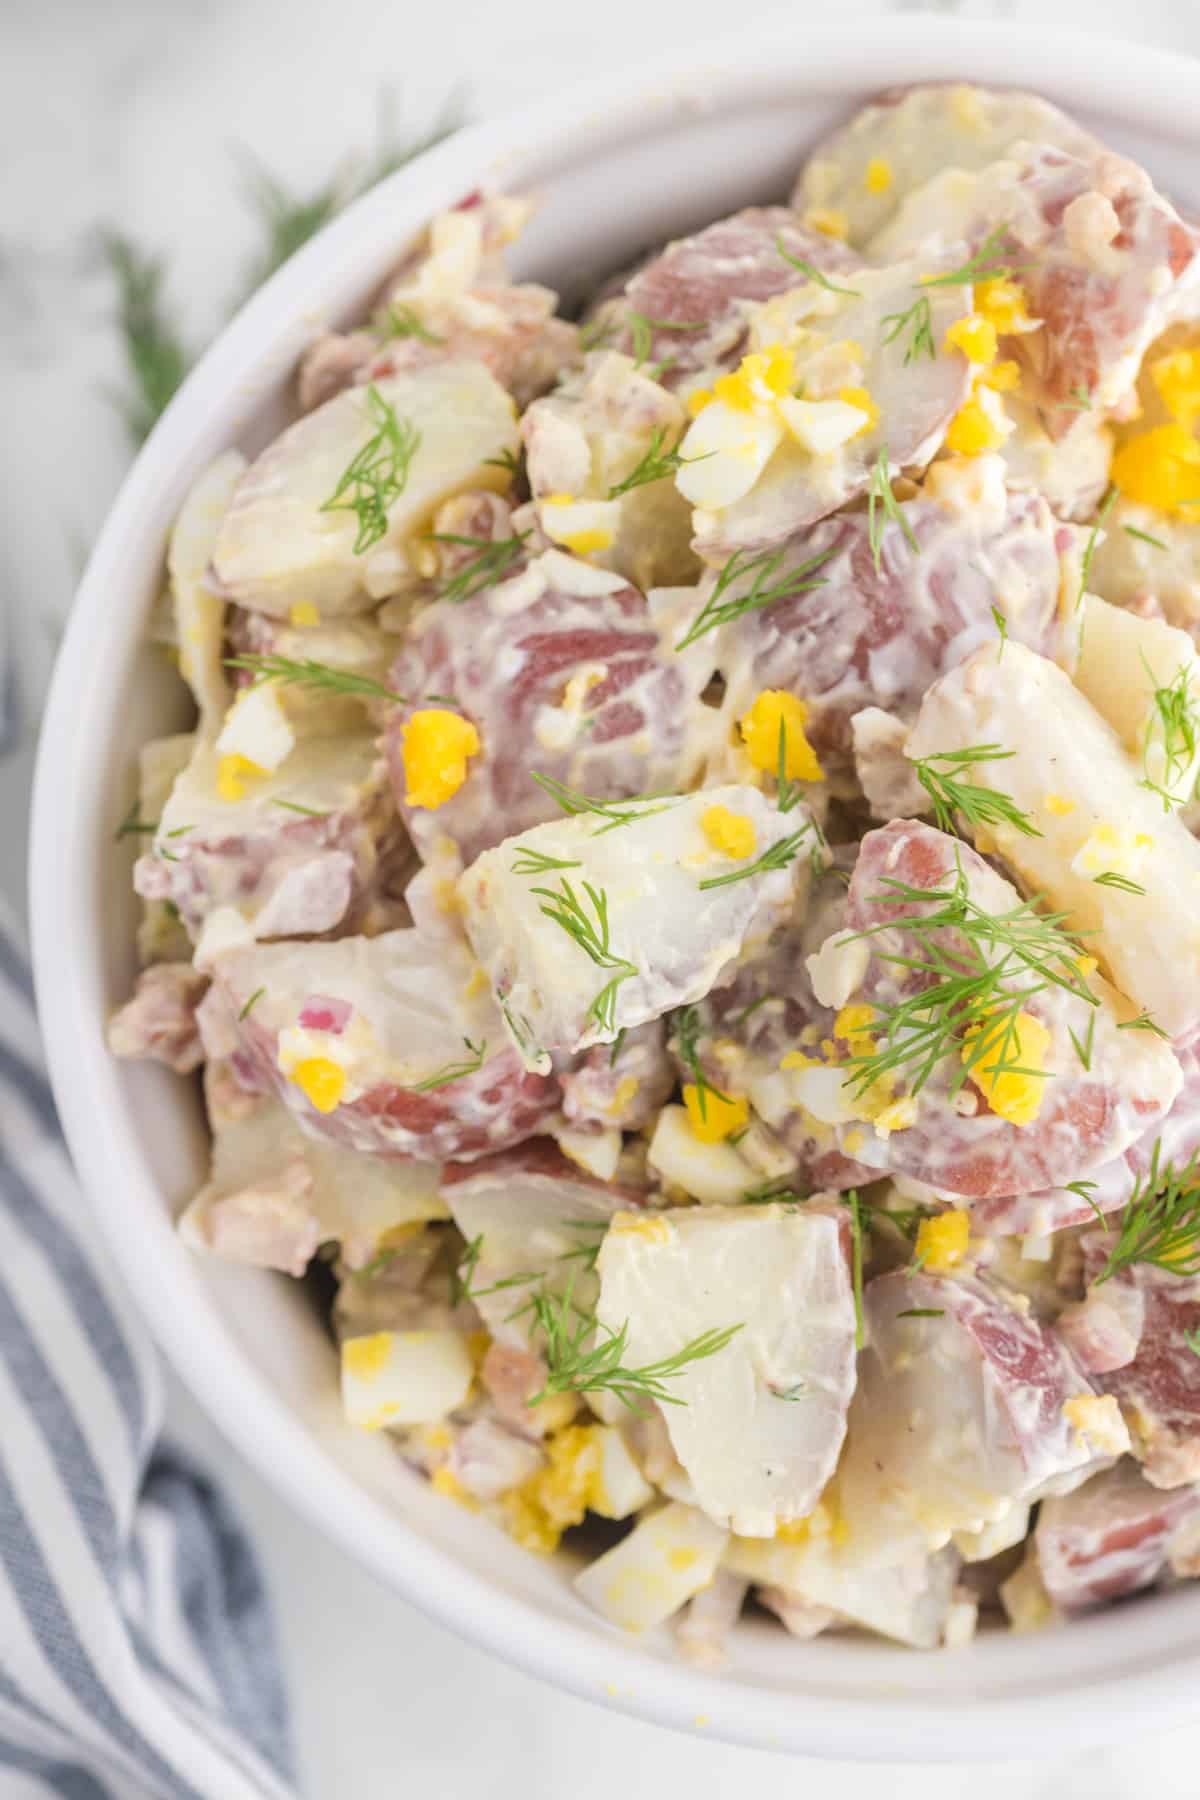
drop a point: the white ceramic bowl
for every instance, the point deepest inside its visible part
(618, 165)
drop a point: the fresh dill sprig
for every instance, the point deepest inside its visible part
(583, 1355)
(156, 357)
(312, 677)
(403, 322)
(656, 464)
(1160, 1223)
(441, 1078)
(922, 1312)
(642, 328)
(618, 1044)
(1111, 879)
(813, 274)
(376, 476)
(505, 459)
(536, 862)
(919, 321)
(596, 332)
(308, 812)
(1144, 1022)
(788, 792)
(1173, 729)
(1084, 1051)
(856, 1242)
(764, 590)
(953, 798)
(463, 1272)
(739, 1018)
(289, 220)
(777, 856)
(687, 1032)
(615, 813)
(882, 504)
(972, 958)
(134, 826)
(565, 909)
(1144, 537)
(1085, 572)
(494, 559)
(1001, 623)
(983, 265)
(255, 997)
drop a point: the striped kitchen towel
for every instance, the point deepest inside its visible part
(136, 1650)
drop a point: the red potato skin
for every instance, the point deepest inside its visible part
(1159, 1389)
(705, 279)
(1083, 1121)
(492, 1109)
(457, 653)
(867, 637)
(1109, 1537)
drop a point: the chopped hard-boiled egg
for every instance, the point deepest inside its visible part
(1097, 1419)
(975, 336)
(713, 1117)
(1159, 468)
(1004, 1057)
(1113, 850)
(942, 1241)
(777, 719)
(436, 747)
(705, 1169)
(668, 1556)
(730, 834)
(404, 1377)
(233, 772)
(979, 425)
(257, 728)
(823, 426)
(580, 526)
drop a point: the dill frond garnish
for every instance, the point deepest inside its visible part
(313, 677)
(1144, 537)
(1085, 573)
(494, 559)
(656, 464)
(452, 1071)
(954, 799)
(134, 826)
(615, 813)
(1173, 731)
(402, 322)
(982, 968)
(1111, 879)
(1160, 1223)
(982, 266)
(687, 1033)
(255, 997)
(777, 856)
(813, 274)
(918, 321)
(156, 357)
(565, 909)
(376, 476)
(642, 328)
(535, 862)
(583, 1355)
(882, 504)
(764, 590)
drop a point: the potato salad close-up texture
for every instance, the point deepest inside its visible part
(684, 888)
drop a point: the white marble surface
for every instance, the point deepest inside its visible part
(131, 112)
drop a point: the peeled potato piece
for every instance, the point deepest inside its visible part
(762, 1418)
(279, 543)
(1073, 777)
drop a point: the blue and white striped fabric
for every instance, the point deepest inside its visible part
(136, 1651)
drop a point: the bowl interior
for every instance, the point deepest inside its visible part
(615, 172)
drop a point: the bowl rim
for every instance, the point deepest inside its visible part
(1123, 77)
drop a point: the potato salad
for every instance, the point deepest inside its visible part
(683, 888)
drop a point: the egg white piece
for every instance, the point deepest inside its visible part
(404, 1377)
(668, 1556)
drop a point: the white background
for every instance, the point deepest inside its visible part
(136, 113)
